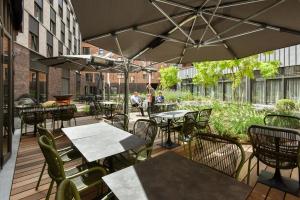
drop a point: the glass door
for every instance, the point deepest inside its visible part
(6, 96)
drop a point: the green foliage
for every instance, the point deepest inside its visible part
(168, 77)
(173, 96)
(231, 119)
(286, 105)
(210, 72)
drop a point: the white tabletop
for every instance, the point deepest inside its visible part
(100, 140)
(172, 114)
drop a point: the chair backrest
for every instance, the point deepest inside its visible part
(67, 191)
(43, 131)
(221, 153)
(285, 121)
(192, 115)
(189, 125)
(146, 129)
(31, 115)
(275, 146)
(171, 107)
(55, 164)
(204, 115)
(120, 121)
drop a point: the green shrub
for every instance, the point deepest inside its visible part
(286, 105)
(232, 119)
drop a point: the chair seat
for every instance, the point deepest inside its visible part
(86, 180)
(70, 155)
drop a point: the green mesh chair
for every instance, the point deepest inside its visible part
(223, 154)
(83, 176)
(145, 129)
(67, 154)
(68, 191)
(284, 121)
(120, 121)
(203, 121)
(187, 131)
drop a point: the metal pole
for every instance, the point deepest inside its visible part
(126, 90)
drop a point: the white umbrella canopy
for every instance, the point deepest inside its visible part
(185, 31)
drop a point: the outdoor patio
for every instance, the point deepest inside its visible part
(30, 160)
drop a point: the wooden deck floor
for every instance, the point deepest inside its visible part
(30, 161)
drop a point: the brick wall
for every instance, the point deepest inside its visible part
(54, 82)
(21, 70)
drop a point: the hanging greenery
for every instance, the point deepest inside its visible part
(210, 72)
(168, 77)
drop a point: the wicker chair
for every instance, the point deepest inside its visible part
(145, 129)
(275, 147)
(203, 121)
(221, 153)
(120, 121)
(68, 191)
(66, 154)
(64, 113)
(84, 176)
(188, 131)
(162, 124)
(32, 116)
(285, 121)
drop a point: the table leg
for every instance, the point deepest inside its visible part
(169, 143)
(277, 181)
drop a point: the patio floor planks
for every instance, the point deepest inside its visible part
(30, 161)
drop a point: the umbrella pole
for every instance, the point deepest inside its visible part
(126, 91)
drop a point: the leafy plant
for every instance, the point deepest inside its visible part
(286, 105)
(168, 77)
(210, 72)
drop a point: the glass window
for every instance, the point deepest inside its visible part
(86, 51)
(88, 77)
(38, 10)
(33, 34)
(38, 85)
(53, 21)
(42, 81)
(258, 91)
(286, 56)
(68, 19)
(292, 55)
(274, 90)
(293, 88)
(62, 32)
(33, 84)
(60, 8)
(78, 81)
(49, 44)
(228, 91)
(65, 81)
(60, 48)
(70, 40)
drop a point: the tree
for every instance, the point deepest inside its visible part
(168, 77)
(210, 72)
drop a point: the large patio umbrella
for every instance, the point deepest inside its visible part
(184, 31)
(96, 63)
(72, 62)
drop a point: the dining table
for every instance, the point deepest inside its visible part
(170, 116)
(101, 140)
(111, 105)
(172, 176)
